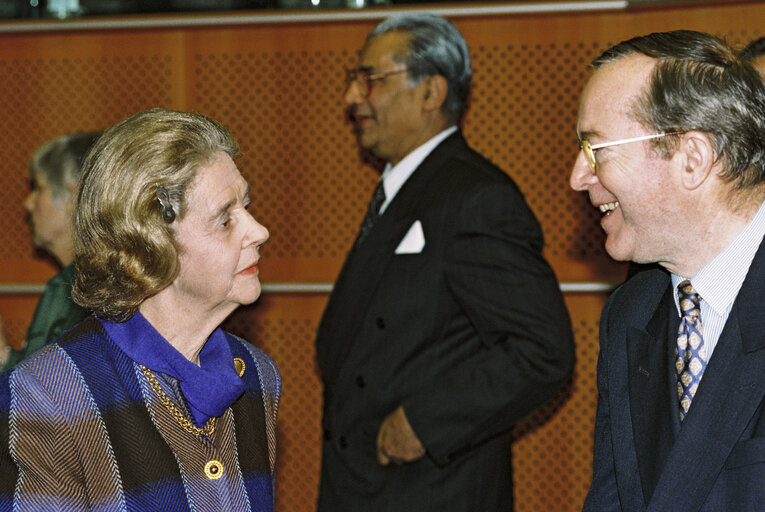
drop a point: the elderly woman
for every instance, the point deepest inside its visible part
(149, 405)
(54, 172)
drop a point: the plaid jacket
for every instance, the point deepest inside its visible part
(81, 429)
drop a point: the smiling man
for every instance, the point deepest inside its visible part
(672, 131)
(446, 325)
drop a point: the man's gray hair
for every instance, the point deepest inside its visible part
(701, 84)
(436, 47)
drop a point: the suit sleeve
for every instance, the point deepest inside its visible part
(603, 495)
(496, 275)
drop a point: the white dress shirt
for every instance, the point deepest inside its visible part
(720, 280)
(393, 178)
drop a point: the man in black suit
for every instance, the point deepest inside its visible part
(446, 325)
(672, 131)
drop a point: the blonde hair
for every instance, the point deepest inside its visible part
(124, 250)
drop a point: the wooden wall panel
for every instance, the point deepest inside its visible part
(279, 87)
(552, 452)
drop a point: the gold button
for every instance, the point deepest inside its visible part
(213, 469)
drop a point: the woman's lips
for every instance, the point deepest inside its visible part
(251, 270)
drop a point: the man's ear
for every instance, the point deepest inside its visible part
(434, 93)
(699, 158)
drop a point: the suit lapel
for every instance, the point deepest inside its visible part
(650, 391)
(728, 396)
(364, 267)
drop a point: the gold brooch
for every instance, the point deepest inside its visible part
(239, 366)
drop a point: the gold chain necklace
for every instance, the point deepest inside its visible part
(182, 417)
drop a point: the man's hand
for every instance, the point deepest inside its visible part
(396, 441)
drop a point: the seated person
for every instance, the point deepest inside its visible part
(54, 171)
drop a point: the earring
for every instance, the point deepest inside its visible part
(168, 214)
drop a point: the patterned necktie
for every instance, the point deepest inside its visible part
(690, 351)
(373, 213)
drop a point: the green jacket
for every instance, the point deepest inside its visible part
(55, 314)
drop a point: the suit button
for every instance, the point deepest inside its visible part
(380, 323)
(360, 382)
(343, 442)
(327, 435)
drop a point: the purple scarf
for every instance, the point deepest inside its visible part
(209, 388)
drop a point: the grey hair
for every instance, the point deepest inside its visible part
(436, 47)
(59, 162)
(700, 84)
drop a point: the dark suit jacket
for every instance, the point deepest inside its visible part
(644, 460)
(469, 335)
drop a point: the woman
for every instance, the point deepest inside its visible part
(149, 405)
(54, 171)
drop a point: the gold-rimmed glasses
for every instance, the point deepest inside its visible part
(589, 149)
(364, 79)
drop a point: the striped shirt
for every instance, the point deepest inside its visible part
(720, 280)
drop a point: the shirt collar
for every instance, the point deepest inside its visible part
(394, 177)
(719, 281)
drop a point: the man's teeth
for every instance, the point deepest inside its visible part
(608, 207)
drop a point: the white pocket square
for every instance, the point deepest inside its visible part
(414, 240)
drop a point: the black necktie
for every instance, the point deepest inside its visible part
(373, 213)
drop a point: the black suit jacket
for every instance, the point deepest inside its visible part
(644, 459)
(468, 335)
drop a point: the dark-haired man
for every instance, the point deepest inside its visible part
(672, 134)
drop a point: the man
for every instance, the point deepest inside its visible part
(672, 130)
(54, 171)
(754, 53)
(445, 325)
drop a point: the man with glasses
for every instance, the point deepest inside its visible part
(672, 135)
(446, 325)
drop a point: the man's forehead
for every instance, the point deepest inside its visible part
(382, 49)
(612, 90)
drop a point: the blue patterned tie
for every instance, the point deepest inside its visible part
(690, 352)
(378, 198)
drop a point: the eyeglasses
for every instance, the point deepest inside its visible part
(365, 80)
(589, 149)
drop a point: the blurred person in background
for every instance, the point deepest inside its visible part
(54, 172)
(148, 405)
